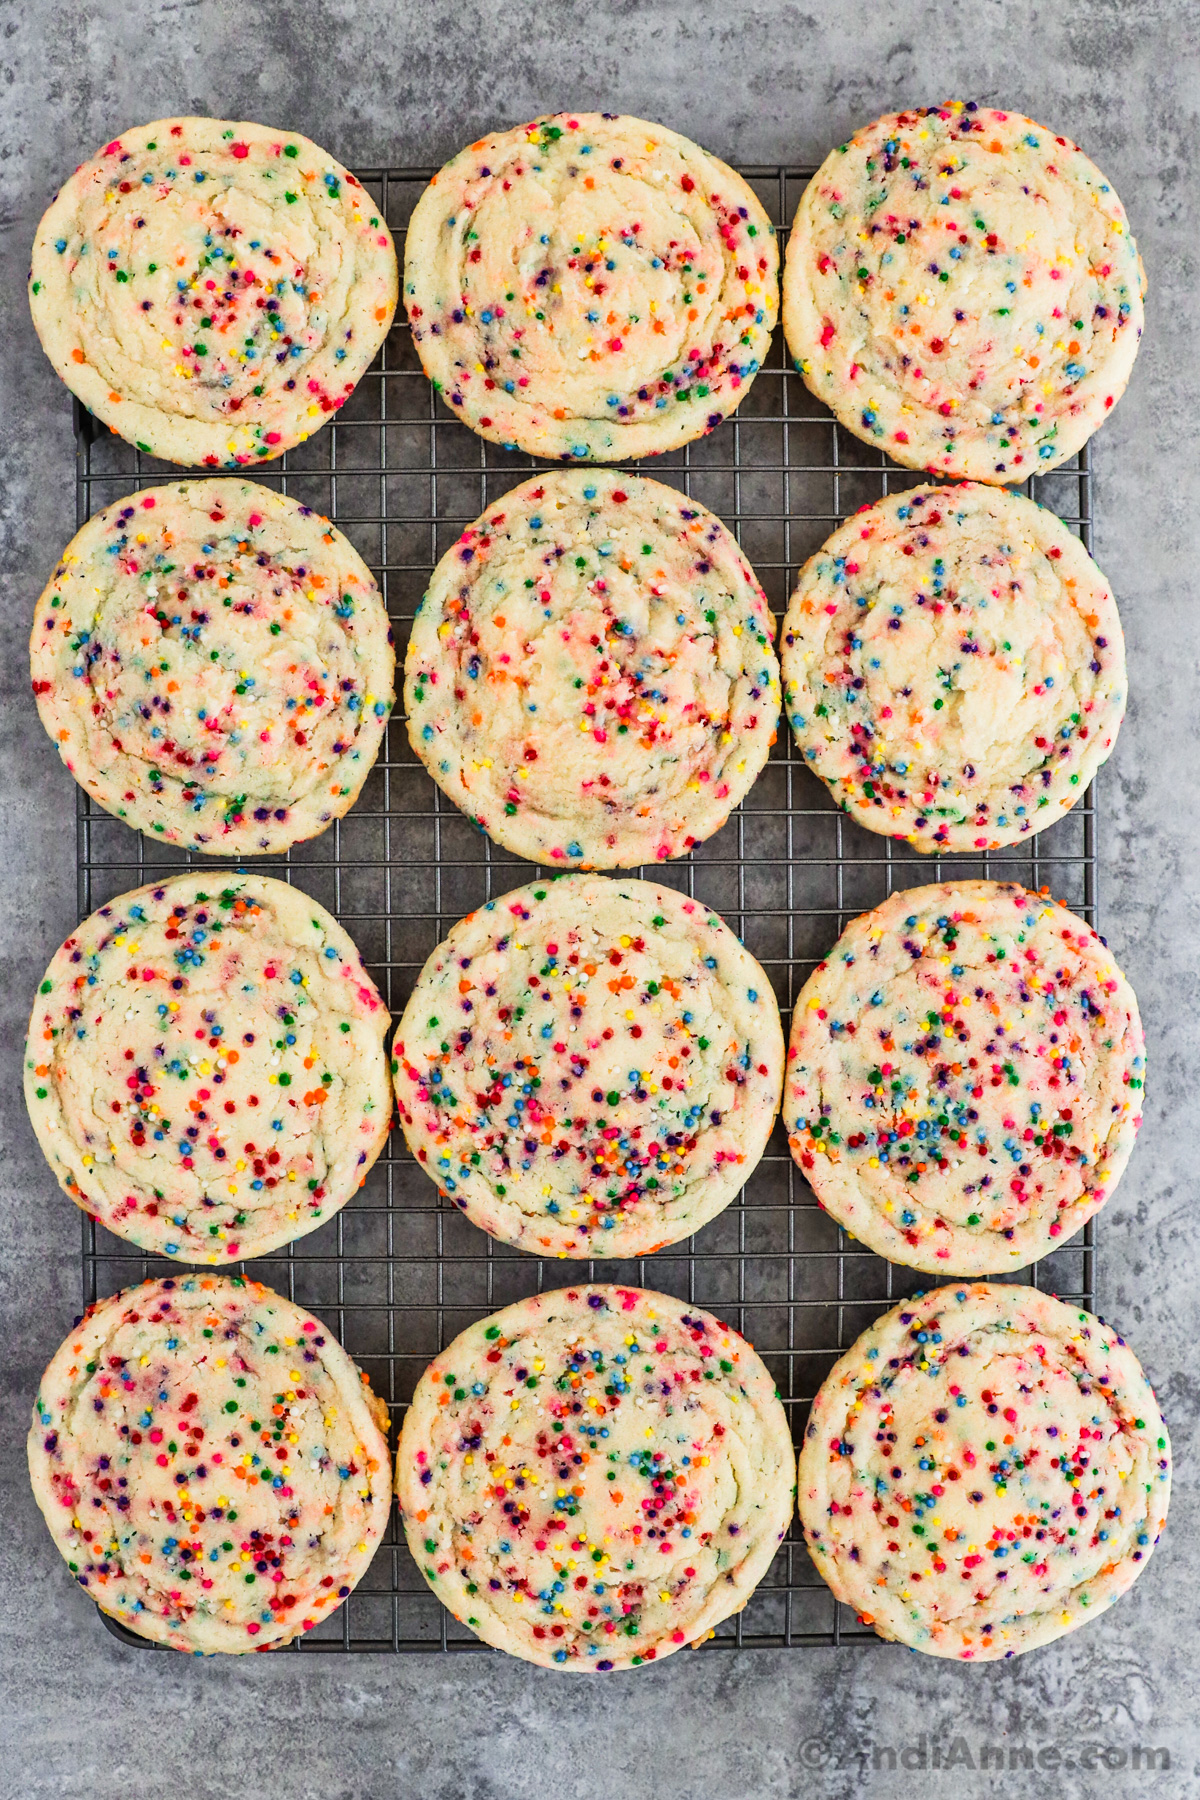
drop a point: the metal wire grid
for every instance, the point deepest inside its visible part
(398, 1273)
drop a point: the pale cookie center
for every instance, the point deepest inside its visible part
(242, 680)
(603, 331)
(177, 1083)
(630, 695)
(1004, 672)
(178, 1523)
(930, 1105)
(609, 1529)
(1015, 1480)
(212, 289)
(610, 1103)
(1020, 294)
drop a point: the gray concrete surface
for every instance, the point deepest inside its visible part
(409, 82)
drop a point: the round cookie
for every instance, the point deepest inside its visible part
(212, 290)
(590, 1067)
(985, 1470)
(214, 662)
(590, 675)
(964, 1079)
(205, 1069)
(211, 1464)
(954, 667)
(593, 1478)
(962, 289)
(590, 287)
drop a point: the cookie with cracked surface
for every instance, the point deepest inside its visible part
(590, 1067)
(212, 1466)
(591, 675)
(984, 1471)
(205, 1069)
(214, 663)
(212, 290)
(590, 287)
(965, 1077)
(954, 667)
(593, 1478)
(963, 290)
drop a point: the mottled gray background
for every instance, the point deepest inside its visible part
(410, 82)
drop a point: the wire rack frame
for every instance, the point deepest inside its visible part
(398, 1272)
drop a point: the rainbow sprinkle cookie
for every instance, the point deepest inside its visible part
(591, 675)
(205, 1069)
(964, 1079)
(211, 1464)
(985, 1470)
(593, 1478)
(953, 667)
(214, 663)
(963, 290)
(590, 1067)
(212, 290)
(590, 287)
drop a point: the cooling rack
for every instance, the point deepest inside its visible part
(398, 1272)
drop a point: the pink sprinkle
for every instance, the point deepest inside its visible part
(240, 150)
(149, 504)
(255, 519)
(272, 437)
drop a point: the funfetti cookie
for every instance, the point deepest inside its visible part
(962, 289)
(212, 290)
(212, 1466)
(954, 667)
(214, 663)
(590, 288)
(591, 675)
(965, 1077)
(593, 1478)
(590, 1067)
(985, 1470)
(205, 1068)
